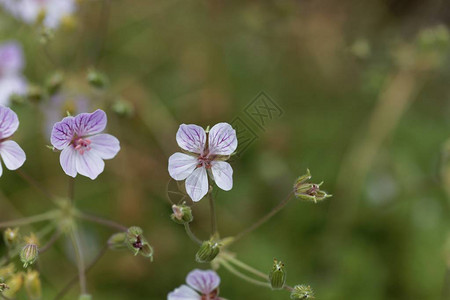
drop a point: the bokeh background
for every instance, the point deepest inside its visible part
(363, 86)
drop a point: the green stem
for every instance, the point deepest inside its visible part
(80, 259)
(265, 218)
(35, 184)
(101, 221)
(50, 242)
(243, 276)
(29, 220)
(212, 208)
(71, 194)
(244, 266)
(191, 235)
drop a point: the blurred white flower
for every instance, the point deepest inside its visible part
(29, 11)
(11, 65)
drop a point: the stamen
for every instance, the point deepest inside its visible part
(81, 145)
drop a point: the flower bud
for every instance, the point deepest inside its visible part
(123, 108)
(33, 285)
(3, 287)
(277, 275)
(11, 237)
(309, 191)
(35, 93)
(181, 214)
(14, 285)
(302, 292)
(117, 241)
(97, 79)
(207, 252)
(7, 271)
(30, 251)
(54, 83)
(137, 243)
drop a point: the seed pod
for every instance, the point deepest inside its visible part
(277, 275)
(207, 252)
(302, 292)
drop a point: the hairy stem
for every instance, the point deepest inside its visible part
(67, 287)
(212, 208)
(80, 259)
(29, 220)
(99, 220)
(264, 219)
(243, 276)
(244, 266)
(191, 235)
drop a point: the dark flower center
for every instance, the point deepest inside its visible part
(138, 244)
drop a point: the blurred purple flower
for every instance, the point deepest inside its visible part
(30, 10)
(12, 155)
(11, 65)
(202, 285)
(83, 145)
(59, 105)
(222, 142)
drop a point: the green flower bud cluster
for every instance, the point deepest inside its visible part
(15, 281)
(182, 214)
(305, 190)
(302, 292)
(207, 252)
(29, 252)
(277, 276)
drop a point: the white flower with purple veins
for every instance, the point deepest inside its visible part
(201, 285)
(12, 155)
(53, 11)
(83, 145)
(11, 65)
(203, 158)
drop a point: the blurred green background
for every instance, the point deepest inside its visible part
(363, 86)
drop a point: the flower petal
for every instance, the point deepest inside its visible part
(89, 164)
(1, 170)
(181, 165)
(11, 58)
(197, 184)
(63, 133)
(223, 174)
(203, 281)
(105, 145)
(191, 138)
(90, 123)
(183, 293)
(8, 122)
(222, 139)
(68, 162)
(12, 155)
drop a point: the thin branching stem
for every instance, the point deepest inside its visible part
(191, 235)
(29, 220)
(71, 282)
(56, 235)
(264, 219)
(80, 259)
(99, 220)
(31, 181)
(212, 208)
(244, 266)
(243, 276)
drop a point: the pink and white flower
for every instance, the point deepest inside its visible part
(202, 158)
(201, 285)
(83, 145)
(30, 10)
(10, 152)
(11, 65)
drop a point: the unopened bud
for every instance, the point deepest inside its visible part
(54, 83)
(181, 214)
(305, 190)
(35, 93)
(3, 287)
(123, 108)
(33, 285)
(14, 284)
(97, 79)
(7, 271)
(302, 292)
(85, 297)
(117, 241)
(30, 251)
(137, 243)
(11, 236)
(277, 275)
(207, 252)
